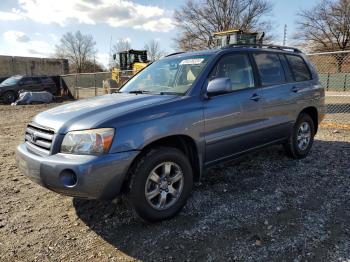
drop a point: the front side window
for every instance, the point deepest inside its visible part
(237, 68)
(299, 68)
(270, 69)
(169, 75)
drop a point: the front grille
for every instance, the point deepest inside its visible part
(39, 137)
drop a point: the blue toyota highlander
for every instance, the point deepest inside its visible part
(155, 137)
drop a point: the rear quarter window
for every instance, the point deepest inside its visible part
(46, 80)
(270, 69)
(299, 68)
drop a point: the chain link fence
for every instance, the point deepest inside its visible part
(85, 85)
(334, 72)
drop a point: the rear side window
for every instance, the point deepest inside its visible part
(36, 80)
(27, 81)
(299, 68)
(270, 69)
(46, 80)
(237, 67)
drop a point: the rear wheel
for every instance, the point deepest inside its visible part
(9, 97)
(161, 183)
(302, 137)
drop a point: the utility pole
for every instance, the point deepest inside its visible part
(110, 57)
(285, 35)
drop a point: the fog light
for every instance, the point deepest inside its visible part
(68, 178)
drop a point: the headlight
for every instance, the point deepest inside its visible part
(88, 142)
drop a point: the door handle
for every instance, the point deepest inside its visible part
(295, 89)
(255, 97)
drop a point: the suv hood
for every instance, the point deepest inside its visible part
(88, 113)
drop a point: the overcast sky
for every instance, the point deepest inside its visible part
(33, 27)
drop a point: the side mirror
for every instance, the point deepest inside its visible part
(219, 86)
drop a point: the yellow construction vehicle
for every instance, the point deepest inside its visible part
(234, 36)
(130, 62)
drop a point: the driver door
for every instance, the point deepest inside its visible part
(233, 121)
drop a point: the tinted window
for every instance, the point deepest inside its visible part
(237, 67)
(36, 80)
(299, 68)
(27, 81)
(270, 69)
(46, 80)
(287, 72)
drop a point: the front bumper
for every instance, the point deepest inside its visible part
(97, 177)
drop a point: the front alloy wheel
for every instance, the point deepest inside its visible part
(9, 97)
(164, 185)
(161, 181)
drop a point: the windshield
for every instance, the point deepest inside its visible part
(168, 76)
(11, 81)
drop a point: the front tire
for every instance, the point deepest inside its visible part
(161, 182)
(9, 97)
(301, 138)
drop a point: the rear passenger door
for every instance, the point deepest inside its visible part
(27, 84)
(302, 88)
(37, 84)
(233, 121)
(278, 103)
(49, 85)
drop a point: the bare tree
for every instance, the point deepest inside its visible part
(326, 27)
(79, 49)
(121, 45)
(93, 66)
(199, 19)
(154, 51)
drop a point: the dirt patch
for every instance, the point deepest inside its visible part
(263, 207)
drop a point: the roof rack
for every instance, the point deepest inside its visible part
(278, 47)
(177, 53)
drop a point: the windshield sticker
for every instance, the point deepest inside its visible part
(195, 61)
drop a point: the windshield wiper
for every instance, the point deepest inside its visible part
(153, 92)
(139, 92)
(169, 93)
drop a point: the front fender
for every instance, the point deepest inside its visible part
(181, 117)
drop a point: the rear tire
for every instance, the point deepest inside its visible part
(301, 138)
(161, 181)
(9, 97)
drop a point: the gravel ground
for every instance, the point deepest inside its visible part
(261, 207)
